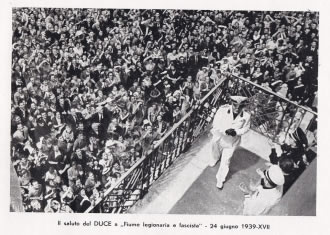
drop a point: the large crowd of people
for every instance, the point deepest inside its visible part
(93, 89)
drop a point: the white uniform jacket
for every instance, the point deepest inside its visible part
(262, 200)
(224, 120)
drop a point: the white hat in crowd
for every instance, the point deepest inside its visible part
(275, 175)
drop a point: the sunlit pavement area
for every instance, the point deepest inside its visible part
(189, 185)
(203, 197)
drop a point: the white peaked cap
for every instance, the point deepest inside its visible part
(238, 99)
(275, 174)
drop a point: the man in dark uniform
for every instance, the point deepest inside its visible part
(293, 160)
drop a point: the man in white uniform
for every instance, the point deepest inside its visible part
(229, 124)
(264, 196)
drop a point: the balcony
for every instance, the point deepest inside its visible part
(175, 171)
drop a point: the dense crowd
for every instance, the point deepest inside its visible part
(93, 89)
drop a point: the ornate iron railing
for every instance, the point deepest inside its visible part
(272, 116)
(134, 184)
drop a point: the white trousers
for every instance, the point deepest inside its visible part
(225, 153)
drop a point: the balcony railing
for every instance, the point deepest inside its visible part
(134, 184)
(272, 115)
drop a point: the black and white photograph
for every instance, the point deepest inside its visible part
(165, 117)
(164, 111)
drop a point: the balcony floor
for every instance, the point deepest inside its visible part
(203, 197)
(188, 185)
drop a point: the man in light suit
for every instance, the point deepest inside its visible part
(260, 198)
(229, 124)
